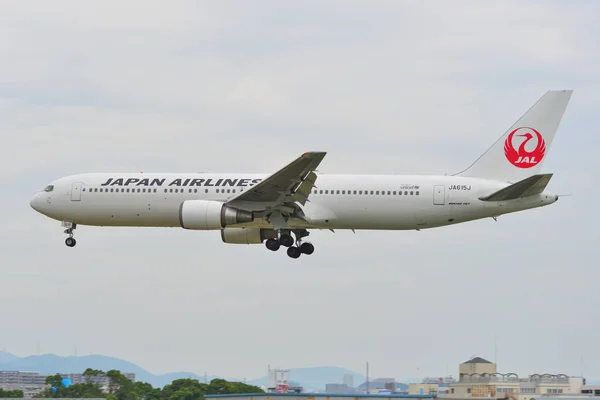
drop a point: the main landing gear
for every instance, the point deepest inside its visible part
(70, 241)
(286, 240)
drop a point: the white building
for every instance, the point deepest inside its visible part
(349, 380)
(279, 380)
(479, 378)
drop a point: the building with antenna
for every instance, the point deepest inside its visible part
(476, 365)
(279, 381)
(479, 378)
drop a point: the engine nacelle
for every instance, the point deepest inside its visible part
(246, 235)
(211, 215)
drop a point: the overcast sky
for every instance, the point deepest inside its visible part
(231, 86)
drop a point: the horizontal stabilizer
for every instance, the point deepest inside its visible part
(527, 187)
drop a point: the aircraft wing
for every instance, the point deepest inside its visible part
(294, 182)
(535, 184)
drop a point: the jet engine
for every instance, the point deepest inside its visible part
(246, 235)
(211, 215)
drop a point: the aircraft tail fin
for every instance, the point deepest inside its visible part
(527, 187)
(521, 151)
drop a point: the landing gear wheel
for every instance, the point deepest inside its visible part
(293, 252)
(70, 241)
(286, 240)
(307, 248)
(272, 244)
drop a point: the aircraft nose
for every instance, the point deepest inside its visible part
(36, 203)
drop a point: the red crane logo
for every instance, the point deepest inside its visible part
(521, 157)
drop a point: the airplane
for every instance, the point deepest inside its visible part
(249, 208)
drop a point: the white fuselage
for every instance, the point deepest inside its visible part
(391, 202)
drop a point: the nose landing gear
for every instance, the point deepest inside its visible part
(70, 241)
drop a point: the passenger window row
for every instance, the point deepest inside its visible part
(120, 190)
(368, 192)
(315, 191)
(177, 190)
(144, 190)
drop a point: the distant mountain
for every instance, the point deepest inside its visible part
(7, 357)
(52, 364)
(315, 378)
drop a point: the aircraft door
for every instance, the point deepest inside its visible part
(439, 195)
(76, 191)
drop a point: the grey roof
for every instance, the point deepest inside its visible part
(477, 360)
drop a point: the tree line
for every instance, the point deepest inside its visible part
(6, 394)
(119, 387)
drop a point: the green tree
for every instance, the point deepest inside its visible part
(145, 391)
(242, 388)
(120, 386)
(89, 374)
(84, 390)
(184, 389)
(10, 394)
(57, 386)
(221, 386)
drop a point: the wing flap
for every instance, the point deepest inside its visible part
(305, 188)
(533, 185)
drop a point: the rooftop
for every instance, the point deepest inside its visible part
(477, 360)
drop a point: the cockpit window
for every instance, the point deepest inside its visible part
(49, 188)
